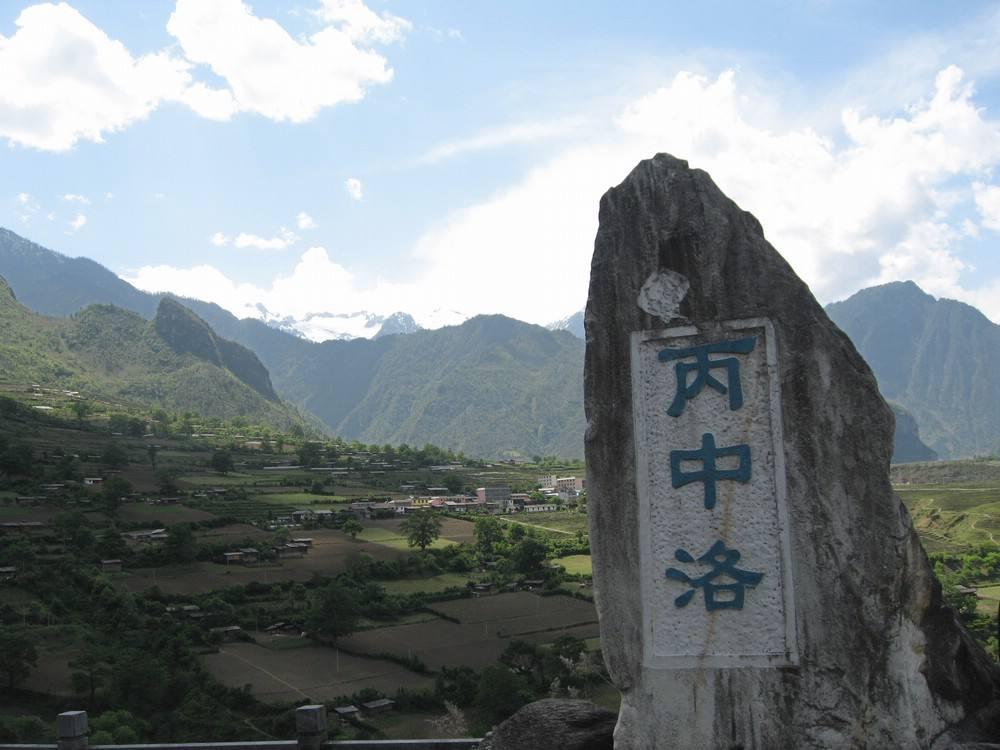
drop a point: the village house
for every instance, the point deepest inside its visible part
(540, 508)
(228, 632)
(497, 496)
(93, 481)
(111, 566)
(8, 573)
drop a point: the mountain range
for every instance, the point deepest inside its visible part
(175, 361)
(493, 385)
(490, 386)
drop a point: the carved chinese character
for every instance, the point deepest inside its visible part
(710, 473)
(702, 368)
(717, 595)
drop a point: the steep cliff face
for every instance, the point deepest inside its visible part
(186, 333)
(937, 358)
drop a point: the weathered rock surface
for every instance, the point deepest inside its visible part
(881, 661)
(555, 724)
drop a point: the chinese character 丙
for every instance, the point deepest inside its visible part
(723, 563)
(702, 367)
(709, 472)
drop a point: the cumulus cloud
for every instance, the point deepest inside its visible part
(354, 188)
(26, 207)
(873, 201)
(314, 280)
(219, 239)
(878, 197)
(74, 198)
(269, 72)
(283, 239)
(360, 23)
(988, 202)
(305, 221)
(77, 223)
(64, 80)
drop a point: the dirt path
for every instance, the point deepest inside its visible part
(259, 668)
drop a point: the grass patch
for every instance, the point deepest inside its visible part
(564, 521)
(393, 539)
(431, 585)
(577, 564)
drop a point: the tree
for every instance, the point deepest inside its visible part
(501, 693)
(309, 454)
(111, 497)
(114, 456)
(528, 556)
(333, 611)
(421, 529)
(222, 461)
(180, 544)
(353, 527)
(488, 534)
(81, 410)
(151, 451)
(17, 656)
(91, 670)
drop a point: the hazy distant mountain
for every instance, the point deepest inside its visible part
(908, 447)
(938, 358)
(174, 362)
(573, 324)
(398, 323)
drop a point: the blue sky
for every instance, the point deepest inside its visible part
(333, 156)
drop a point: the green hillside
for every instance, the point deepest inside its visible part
(108, 353)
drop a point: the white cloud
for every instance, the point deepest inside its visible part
(354, 188)
(77, 223)
(269, 72)
(284, 239)
(880, 197)
(360, 23)
(219, 239)
(877, 208)
(305, 221)
(529, 132)
(64, 80)
(74, 198)
(27, 207)
(987, 199)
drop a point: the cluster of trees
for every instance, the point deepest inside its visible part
(960, 572)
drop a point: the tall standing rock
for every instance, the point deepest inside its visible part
(758, 583)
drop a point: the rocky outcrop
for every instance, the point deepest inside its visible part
(553, 724)
(881, 661)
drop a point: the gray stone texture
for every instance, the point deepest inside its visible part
(555, 724)
(883, 662)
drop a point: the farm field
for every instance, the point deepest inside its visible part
(954, 517)
(485, 628)
(313, 673)
(564, 521)
(577, 564)
(429, 585)
(389, 533)
(166, 514)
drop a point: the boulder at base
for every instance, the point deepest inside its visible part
(759, 584)
(555, 724)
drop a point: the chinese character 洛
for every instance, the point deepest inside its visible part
(709, 472)
(723, 562)
(702, 367)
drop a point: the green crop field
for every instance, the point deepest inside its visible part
(576, 564)
(563, 521)
(954, 517)
(430, 585)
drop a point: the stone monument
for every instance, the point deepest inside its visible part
(759, 585)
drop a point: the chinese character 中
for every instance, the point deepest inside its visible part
(709, 472)
(723, 563)
(702, 367)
